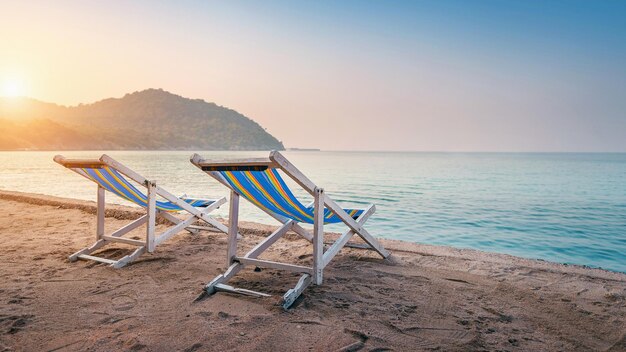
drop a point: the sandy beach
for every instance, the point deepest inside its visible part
(425, 298)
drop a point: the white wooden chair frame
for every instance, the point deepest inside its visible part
(152, 213)
(321, 257)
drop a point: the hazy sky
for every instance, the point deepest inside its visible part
(346, 75)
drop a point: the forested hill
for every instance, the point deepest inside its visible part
(150, 119)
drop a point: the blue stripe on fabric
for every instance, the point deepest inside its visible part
(290, 195)
(252, 192)
(140, 199)
(108, 181)
(111, 186)
(294, 212)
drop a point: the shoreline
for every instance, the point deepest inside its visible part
(426, 298)
(122, 212)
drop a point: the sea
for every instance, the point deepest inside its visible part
(560, 207)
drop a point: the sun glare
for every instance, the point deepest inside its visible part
(12, 88)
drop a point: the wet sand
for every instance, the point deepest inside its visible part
(426, 298)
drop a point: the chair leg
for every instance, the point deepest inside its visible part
(101, 242)
(318, 237)
(151, 211)
(100, 214)
(233, 227)
(174, 220)
(99, 228)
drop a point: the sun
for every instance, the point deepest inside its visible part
(12, 87)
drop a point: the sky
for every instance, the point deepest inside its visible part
(538, 76)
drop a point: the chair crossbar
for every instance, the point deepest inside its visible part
(97, 259)
(274, 265)
(269, 240)
(356, 227)
(201, 228)
(341, 242)
(241, 291)
(252, 164)
(124, 240)
(236, 168)
(129, 227)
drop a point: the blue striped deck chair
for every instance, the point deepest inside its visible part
(110, 175)
(258, 181)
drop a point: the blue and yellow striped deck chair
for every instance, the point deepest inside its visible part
(259, 181)
(110, 175)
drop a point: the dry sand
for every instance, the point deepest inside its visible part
(428, 298)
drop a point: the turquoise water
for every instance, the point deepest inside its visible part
(568, 208)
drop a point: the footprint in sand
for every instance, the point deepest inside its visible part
(123, 302)
(14, 323)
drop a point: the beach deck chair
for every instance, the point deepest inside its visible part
(110, 175)
(259, 181)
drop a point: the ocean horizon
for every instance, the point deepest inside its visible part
(560, 207)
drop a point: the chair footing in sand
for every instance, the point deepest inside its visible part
(288, 298)
(217, 285)
(142, 247)
(292, 295)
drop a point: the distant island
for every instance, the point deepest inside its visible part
(151, 119)
(303, 149)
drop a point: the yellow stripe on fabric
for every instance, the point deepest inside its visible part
(121, 194)
(260, 188)
(91, 178)
(282, 192)
(243, 190)
(263, 191)
(116, 190)
(139, 196)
